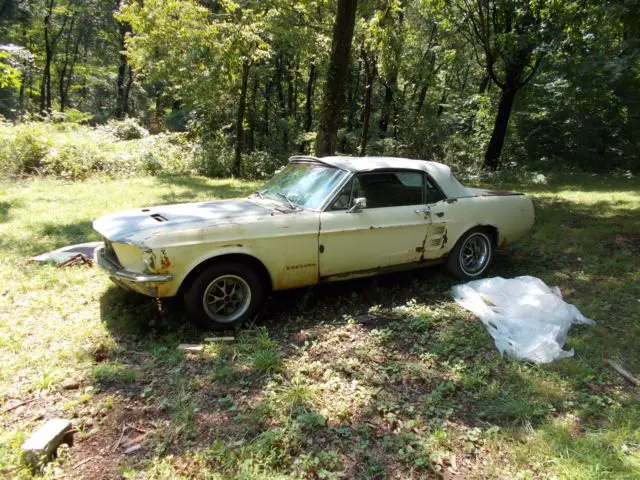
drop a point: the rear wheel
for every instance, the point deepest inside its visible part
(224, 296)
(472, 255)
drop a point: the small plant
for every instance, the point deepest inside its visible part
(114, 373)
(127, 129)
(267, 360)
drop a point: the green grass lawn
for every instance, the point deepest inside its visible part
(375, 378)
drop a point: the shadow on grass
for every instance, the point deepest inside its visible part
(5, 207)
(200, 189)
(559, 183)
(53, 235)
(432, 364)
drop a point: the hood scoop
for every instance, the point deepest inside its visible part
(158, 217)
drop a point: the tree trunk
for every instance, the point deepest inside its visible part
(251, 144)
(281, 100)
(308, 106)
(267, 104)
(237, 163)
(492, 157)
(353, 99)
(387, 105)
(127, 91)
(122, 99)
(443, 100)
(421, 97)
(66, 72)
(484, 83)
(336, 77)
(366, 115)
(45, 106)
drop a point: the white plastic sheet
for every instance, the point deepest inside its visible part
(527, 319)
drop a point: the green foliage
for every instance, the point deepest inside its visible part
(127, 129)
(77, 152)
(435, 72)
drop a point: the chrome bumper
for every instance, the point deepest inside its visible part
(145, 283)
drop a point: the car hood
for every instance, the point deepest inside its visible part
(129, 224)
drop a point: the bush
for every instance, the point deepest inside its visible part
(127, 129)
(260, 164)
(215, 156)
(22, 149)
(73, 151)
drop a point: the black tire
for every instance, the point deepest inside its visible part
(211, 314)
(459, 264)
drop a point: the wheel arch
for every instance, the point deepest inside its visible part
(243, 258)
(492, 230)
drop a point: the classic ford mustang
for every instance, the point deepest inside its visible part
(317, 220)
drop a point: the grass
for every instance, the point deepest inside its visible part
(375, 378)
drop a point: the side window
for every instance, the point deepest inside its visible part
(433, 192)
(343, 200)
(389, 189)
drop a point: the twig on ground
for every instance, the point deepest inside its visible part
(622, 371)
(86, 460)
(26, 402)
(117, 444)
(132, 427)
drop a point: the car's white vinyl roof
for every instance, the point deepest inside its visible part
(440, 172)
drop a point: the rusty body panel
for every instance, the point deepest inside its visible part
(153, 250)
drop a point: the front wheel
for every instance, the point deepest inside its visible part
(224, 296)
(471, 256)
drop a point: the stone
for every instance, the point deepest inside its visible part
(131, 449)
(70, 384)
(191, 348)
(44, 442)
(219, 339)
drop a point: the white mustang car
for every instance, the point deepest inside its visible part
(317, 220)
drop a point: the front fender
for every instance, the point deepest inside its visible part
(182, 270)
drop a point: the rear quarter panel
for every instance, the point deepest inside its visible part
(512, 215)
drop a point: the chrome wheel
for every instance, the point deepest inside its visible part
(475, 254)
(226, 298)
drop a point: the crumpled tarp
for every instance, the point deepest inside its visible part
(527, 319)
(83, 252)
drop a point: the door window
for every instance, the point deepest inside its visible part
(434, 194)
(390, 189)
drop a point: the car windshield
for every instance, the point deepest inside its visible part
(304, 185)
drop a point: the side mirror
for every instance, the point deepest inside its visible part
(358, 204)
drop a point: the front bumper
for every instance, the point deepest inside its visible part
(145, 283)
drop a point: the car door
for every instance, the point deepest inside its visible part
(391, 230)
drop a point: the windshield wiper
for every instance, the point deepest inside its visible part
(259, 194)
(289, 201)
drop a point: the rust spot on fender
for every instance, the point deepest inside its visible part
(165, 263)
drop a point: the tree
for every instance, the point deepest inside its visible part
(51, 37)
(512, 36)
(336, 77)
(123, 86)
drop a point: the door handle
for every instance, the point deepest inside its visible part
(425, 211)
